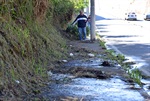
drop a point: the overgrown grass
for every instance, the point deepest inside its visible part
(30, 44)
(135, 74)
(102, 44)
(26, 52)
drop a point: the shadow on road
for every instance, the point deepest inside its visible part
(97, 17)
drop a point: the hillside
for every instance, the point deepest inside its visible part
(31, 43)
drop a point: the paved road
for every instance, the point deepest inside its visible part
(126, 38)
(131, 38)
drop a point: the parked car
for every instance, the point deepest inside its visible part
(147, 16)
(130, 16)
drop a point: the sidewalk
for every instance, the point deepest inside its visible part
(88, 45)
(83, 78)
(84, 48)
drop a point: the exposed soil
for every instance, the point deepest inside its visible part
(102, 70)
(82, 49)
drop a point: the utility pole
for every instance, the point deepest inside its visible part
(92, 26)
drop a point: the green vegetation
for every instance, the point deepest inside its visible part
(73, 31)
(102, 44)
(31, 41)
(135, 74)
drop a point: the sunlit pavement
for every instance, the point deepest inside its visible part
(127, 38)
(130, 38)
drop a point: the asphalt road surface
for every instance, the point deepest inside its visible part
(130, 38)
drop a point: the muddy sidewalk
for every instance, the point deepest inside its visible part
(88, 76)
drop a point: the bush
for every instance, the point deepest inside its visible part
(87, 31)
(73, 31)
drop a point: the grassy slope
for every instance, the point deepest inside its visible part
(28, 48)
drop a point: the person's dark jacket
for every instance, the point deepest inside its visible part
(81, 20)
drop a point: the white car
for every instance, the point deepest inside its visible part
(130, 16)
(147, 16)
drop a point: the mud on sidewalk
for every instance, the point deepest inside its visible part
(87, 76)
